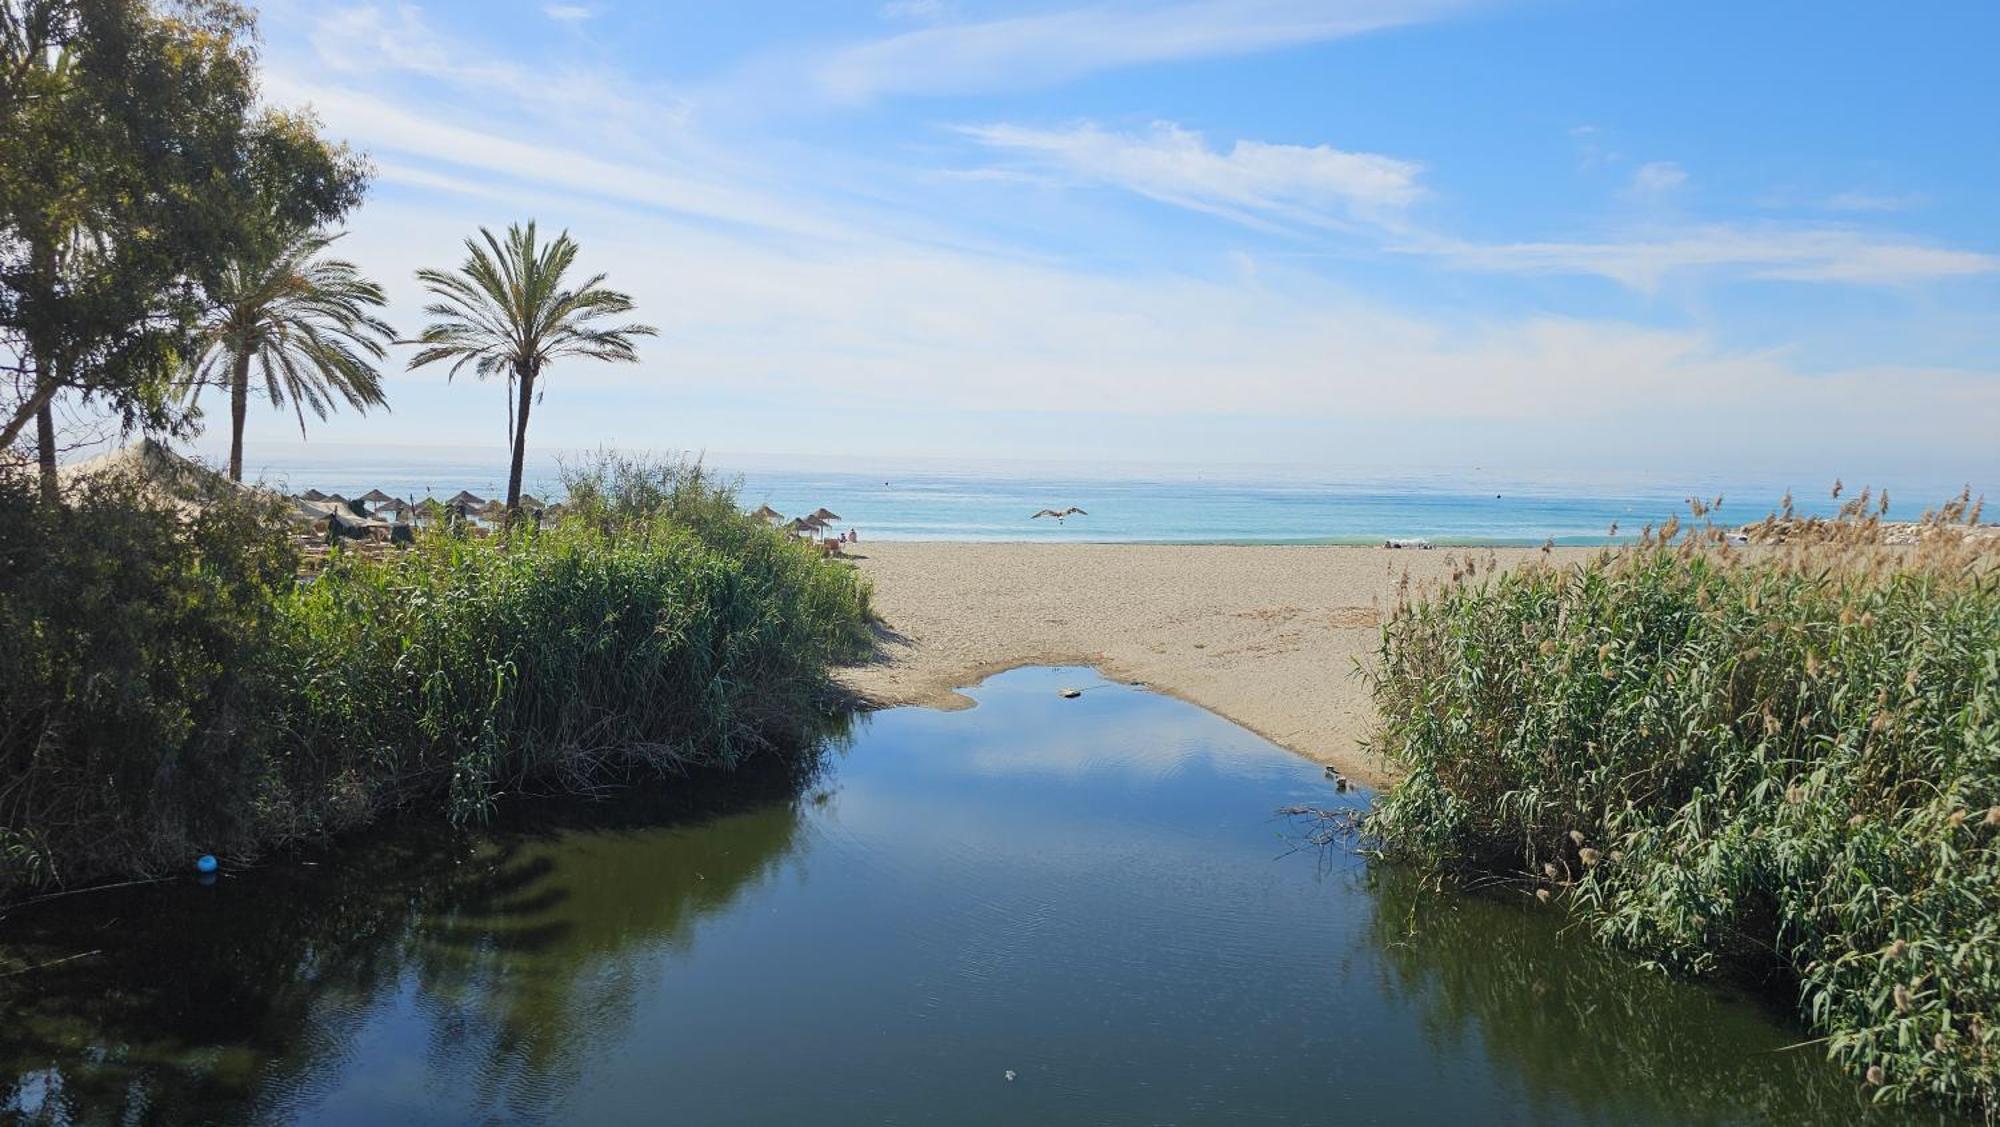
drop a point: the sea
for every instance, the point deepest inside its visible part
(937, 499)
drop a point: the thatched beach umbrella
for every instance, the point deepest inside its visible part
(375, 497)
(825, 516)
(312, 495)
(767, 514)
(531, 503)
(467, 498)
(493, 510)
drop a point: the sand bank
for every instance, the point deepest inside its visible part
(1270, 637)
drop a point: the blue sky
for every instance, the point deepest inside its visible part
(1549, 235)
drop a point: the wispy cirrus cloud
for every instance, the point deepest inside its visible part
(1052, 47)
(1794, 254)
(1657, 179)
(1874, 201)
(790, 289)
(1255, 183)
(1290, 188)
(377, 45)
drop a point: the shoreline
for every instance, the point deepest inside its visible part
(1375, 542)
(1271, 637)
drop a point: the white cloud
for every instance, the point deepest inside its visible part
(417, 134)
(374, 45)
(868, 326)
(791, 293)
(567, 13)
(1873, 201)
(1798, 254)
(1256, 183)
(1053, 47)
(1658, 178)
(920, 10)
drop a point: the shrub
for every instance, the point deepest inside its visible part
(168, 686)
(627, 635)
(1787, 757)
(134, 644)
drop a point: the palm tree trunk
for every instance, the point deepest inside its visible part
(520, 443)
(239, 407)
(45, 451)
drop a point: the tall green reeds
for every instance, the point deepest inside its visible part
(1783, 757)
(652, 628)
(168, 687)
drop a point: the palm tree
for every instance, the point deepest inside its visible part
(305, 322)
(507, 310)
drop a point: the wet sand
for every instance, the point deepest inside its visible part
(1270, 637)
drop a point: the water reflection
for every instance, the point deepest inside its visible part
(1064, 911)
(1582, 1030)
(514, 954)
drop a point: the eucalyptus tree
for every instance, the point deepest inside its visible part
(305, 322)
(509, 310)
(134, 164)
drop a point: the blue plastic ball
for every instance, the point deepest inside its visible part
(205, 863)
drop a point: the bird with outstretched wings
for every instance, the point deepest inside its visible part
(1059, 514)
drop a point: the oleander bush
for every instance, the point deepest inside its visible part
(1784, 757)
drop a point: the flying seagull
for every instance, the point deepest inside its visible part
(1059, 515)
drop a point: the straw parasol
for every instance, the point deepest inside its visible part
(531, 502)
(467, 498)
(804, 524)
(493, 510)
(767, 514)
(312, 495)
(375, 497)
(825, 516)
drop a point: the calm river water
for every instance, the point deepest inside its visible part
(1035, 911)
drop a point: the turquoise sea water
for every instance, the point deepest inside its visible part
(937, 501)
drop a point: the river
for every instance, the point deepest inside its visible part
(1039, 910)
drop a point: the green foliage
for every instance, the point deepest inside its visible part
(511, 310)
(131, 679)
(134, 164)
(306, 323)
(168, 686)
(645, 636)
(1788, 757)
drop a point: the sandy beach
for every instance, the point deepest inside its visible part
(1270, 637)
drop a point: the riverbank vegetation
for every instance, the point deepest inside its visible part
(1785, 760)
(170, 688)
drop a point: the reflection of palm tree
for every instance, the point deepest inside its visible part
(538, 959)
